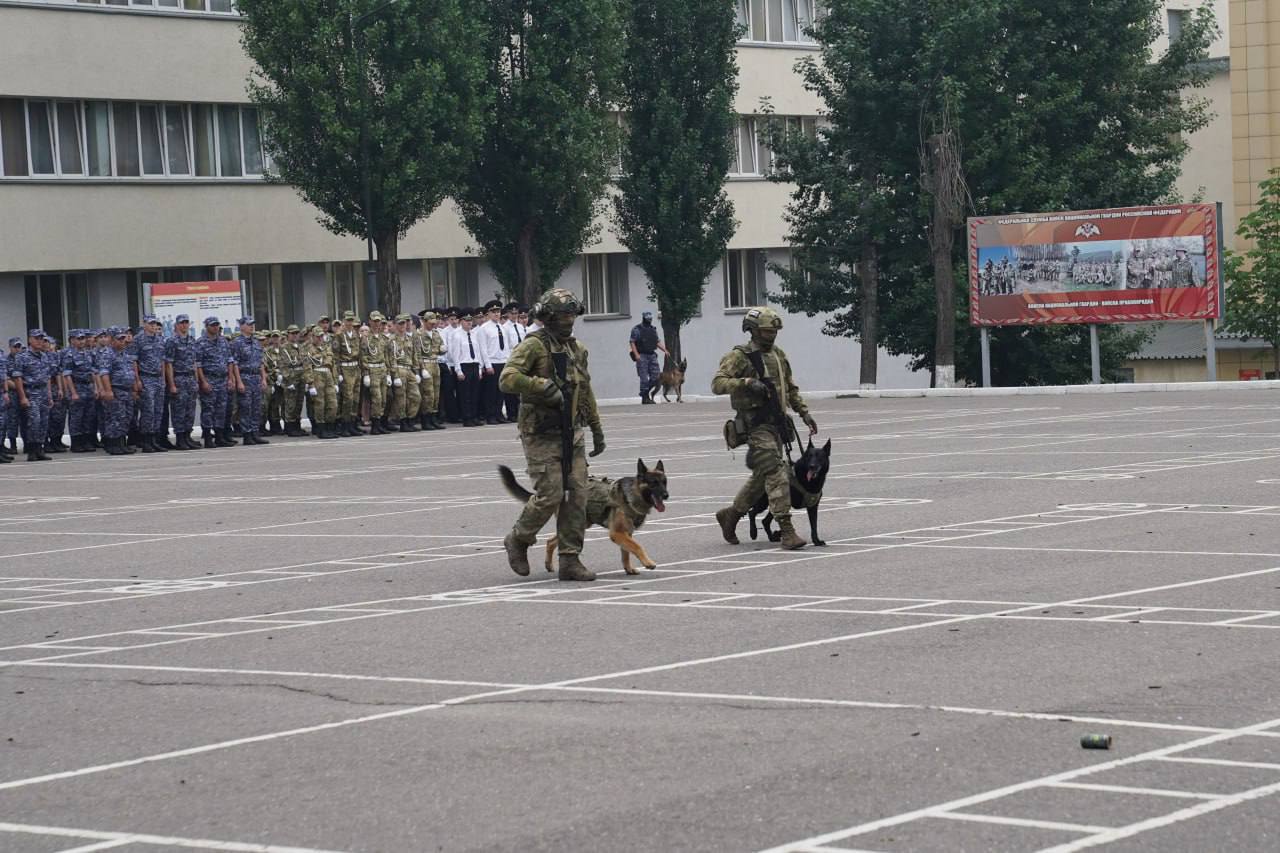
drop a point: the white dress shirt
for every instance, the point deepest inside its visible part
(464, 350)
(494, 345)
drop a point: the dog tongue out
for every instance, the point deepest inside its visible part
(659, 505)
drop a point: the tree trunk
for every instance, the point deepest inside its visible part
(942, 240)
(869, 301)
(670, 338)
(528, 275)
(1276, 347)
(388, 246)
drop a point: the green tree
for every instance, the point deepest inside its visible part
(1253, 278)
(672, 212)
(537, 179)
(1052, 107)
(410, 73)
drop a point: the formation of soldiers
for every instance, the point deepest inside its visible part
(122, 390)
(1159, 269)
(1142, 271)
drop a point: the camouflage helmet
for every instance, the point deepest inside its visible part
(761, 318)
(558, 301)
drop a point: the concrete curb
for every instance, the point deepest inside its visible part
(1027, 391)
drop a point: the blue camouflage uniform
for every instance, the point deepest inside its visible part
(4, 395)
(180, 354)
(248, 354)
(59, 403)
(149, 351)
(118, 367)
(212, 356)
(35, 371)
(78, 365)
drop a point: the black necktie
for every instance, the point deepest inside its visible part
(518, 337)
(469, 346)
(502, 344)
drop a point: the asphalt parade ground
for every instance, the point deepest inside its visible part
(319, 645)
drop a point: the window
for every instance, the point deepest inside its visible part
(345, 288)
(57, 302)
(1177, 20)
(781, 21)
(123, 139)
(222, 7)
(744, 158)
(451, 281)
(604, 283)
(744, 271)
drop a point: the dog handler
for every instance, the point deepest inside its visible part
(752, 398)
(644, 352)
(549, 372)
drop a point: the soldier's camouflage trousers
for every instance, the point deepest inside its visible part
(377, 391)
(182, 405)
(324, 405)
(117, 413)
(83, 420)
(151, 404)
(543, 456)
(251, 403)
(349, 392)
(37, 414)
(406, 399)
(293, 399)
(429, 388)
(275, 403)
(768, 468)
(213, 406)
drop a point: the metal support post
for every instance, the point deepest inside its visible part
(1095, 354)
(1210, 351)
(985, 335)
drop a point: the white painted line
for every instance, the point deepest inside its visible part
(1223, 762)
(1125, 789)
(143, 838)
(1243, 619)
(1197, 810)
(914, 606)
(1018, 821)
(1129, 614)
(99, 845)
(1066, 776)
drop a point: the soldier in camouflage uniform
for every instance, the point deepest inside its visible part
(1183, 272)
(374, 375)
(294, 384)
(739, 377)
(531, 372)
(322, 388)
(273, 393)
(346, 352)
(402, 361)
(429, 346)
(180, 373)
(121, 388)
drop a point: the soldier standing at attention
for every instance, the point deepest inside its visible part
(32, 377)
(644, 352)
(404, 362)
(493, 346)
(250, 380)
(121, 389)
(148, 349)
(426, 347)
(79, 373)
(5, 397)
(294, 383)
(758, 379)
(1182, 271)
(180, 375)
(373, 367)
(466, 364)
(213, 378)
(322, 389)
(549, 372)
(346, 352)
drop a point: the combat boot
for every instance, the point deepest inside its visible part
(126, 447)
(54, 444)
(113, 446)
(388, 426)
(438, 422)
(407, 425)
(223, 438)
(571, 569)
(162, 441)
(790, 541)
(517, 555)
(257, 439)
(331, 430)
(159, 443)
(210, 442)
(375, 426)
(729, 518)
(148, 443)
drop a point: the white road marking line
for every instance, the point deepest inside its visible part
(1223, 762)
(144, 838)
(1066, 776)
(1019, 821)
(1127, 789)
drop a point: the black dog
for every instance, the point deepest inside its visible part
(808, 475)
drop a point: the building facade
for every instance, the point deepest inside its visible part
(129, 154)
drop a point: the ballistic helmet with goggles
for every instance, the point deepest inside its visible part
(558, 301)
(761, 318)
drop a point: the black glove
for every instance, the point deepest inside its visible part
(757, 388)
(810, 423)
(633, 357)
(597, 443)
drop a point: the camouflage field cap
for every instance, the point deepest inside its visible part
(376, 317)
(293, 327)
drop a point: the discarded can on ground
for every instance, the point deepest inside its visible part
(1096, 741)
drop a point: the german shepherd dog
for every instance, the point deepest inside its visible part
(808, 475)
(671, 379)
(620, 507)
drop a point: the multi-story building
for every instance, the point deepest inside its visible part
(129, 154)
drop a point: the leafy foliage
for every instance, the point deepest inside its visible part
(537, 178)
(1253, 279)
(411, 73)
(672, 213)
(1056, 106)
